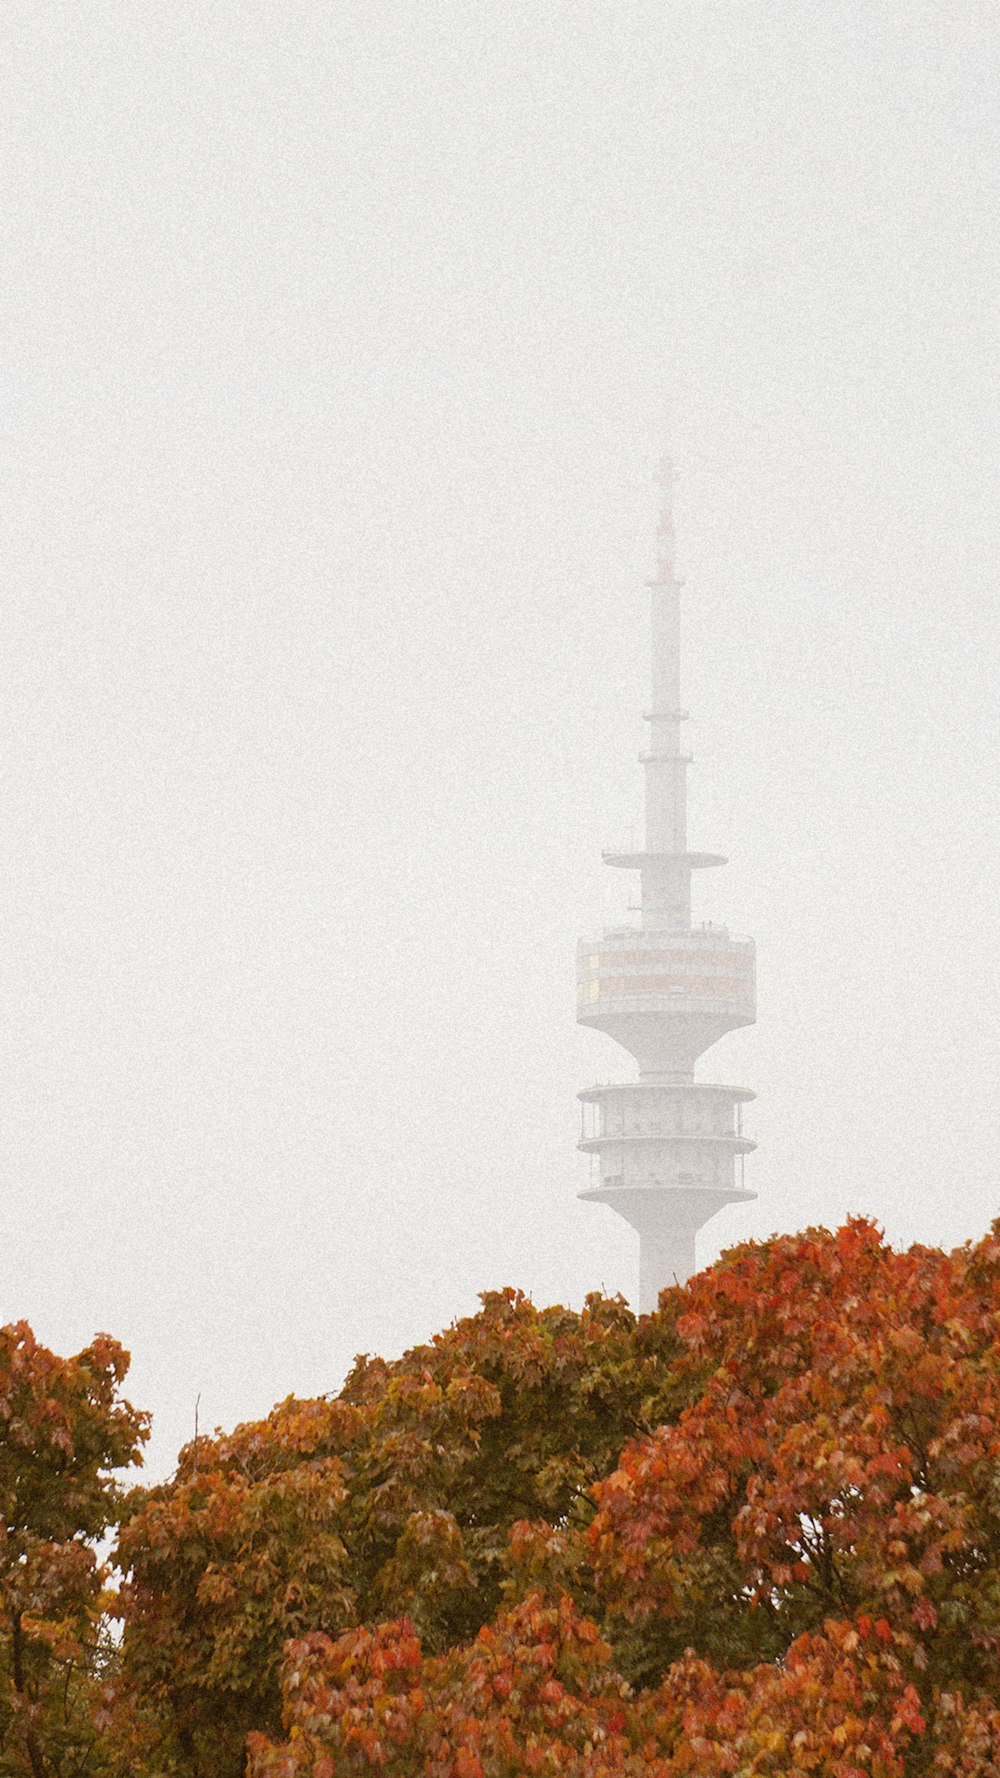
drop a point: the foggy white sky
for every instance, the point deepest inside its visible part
(339, 342)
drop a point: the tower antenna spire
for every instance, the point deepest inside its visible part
(666, 991)
(666, 540)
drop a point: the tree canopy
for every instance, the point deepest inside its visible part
(756, 1532)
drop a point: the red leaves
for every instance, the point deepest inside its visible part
(835, 1452)
(466, 1764)
(835, 1706)
(527, 1695)
(839, 1704)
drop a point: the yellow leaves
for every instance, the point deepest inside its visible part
(62, 1637)
(907, 1578)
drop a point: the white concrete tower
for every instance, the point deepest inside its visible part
(666, 1147)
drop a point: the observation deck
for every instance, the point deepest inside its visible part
(666, 996)
(656, 1136)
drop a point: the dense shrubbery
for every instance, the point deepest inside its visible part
(758, 1532)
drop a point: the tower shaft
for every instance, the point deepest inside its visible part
(665, 1146)
(665, 765)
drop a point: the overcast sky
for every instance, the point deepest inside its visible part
(340, 339)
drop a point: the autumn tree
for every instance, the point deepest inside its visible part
(64, 1430)
(398, 1495)
(841, 1464)
(756, 1532)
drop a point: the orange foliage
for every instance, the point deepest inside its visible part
(840, 1457)
(755, 1533)
(397, 1496)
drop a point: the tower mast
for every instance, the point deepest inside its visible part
(666, 991)
(665, 765)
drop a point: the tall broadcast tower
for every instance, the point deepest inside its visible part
(666, 1147)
